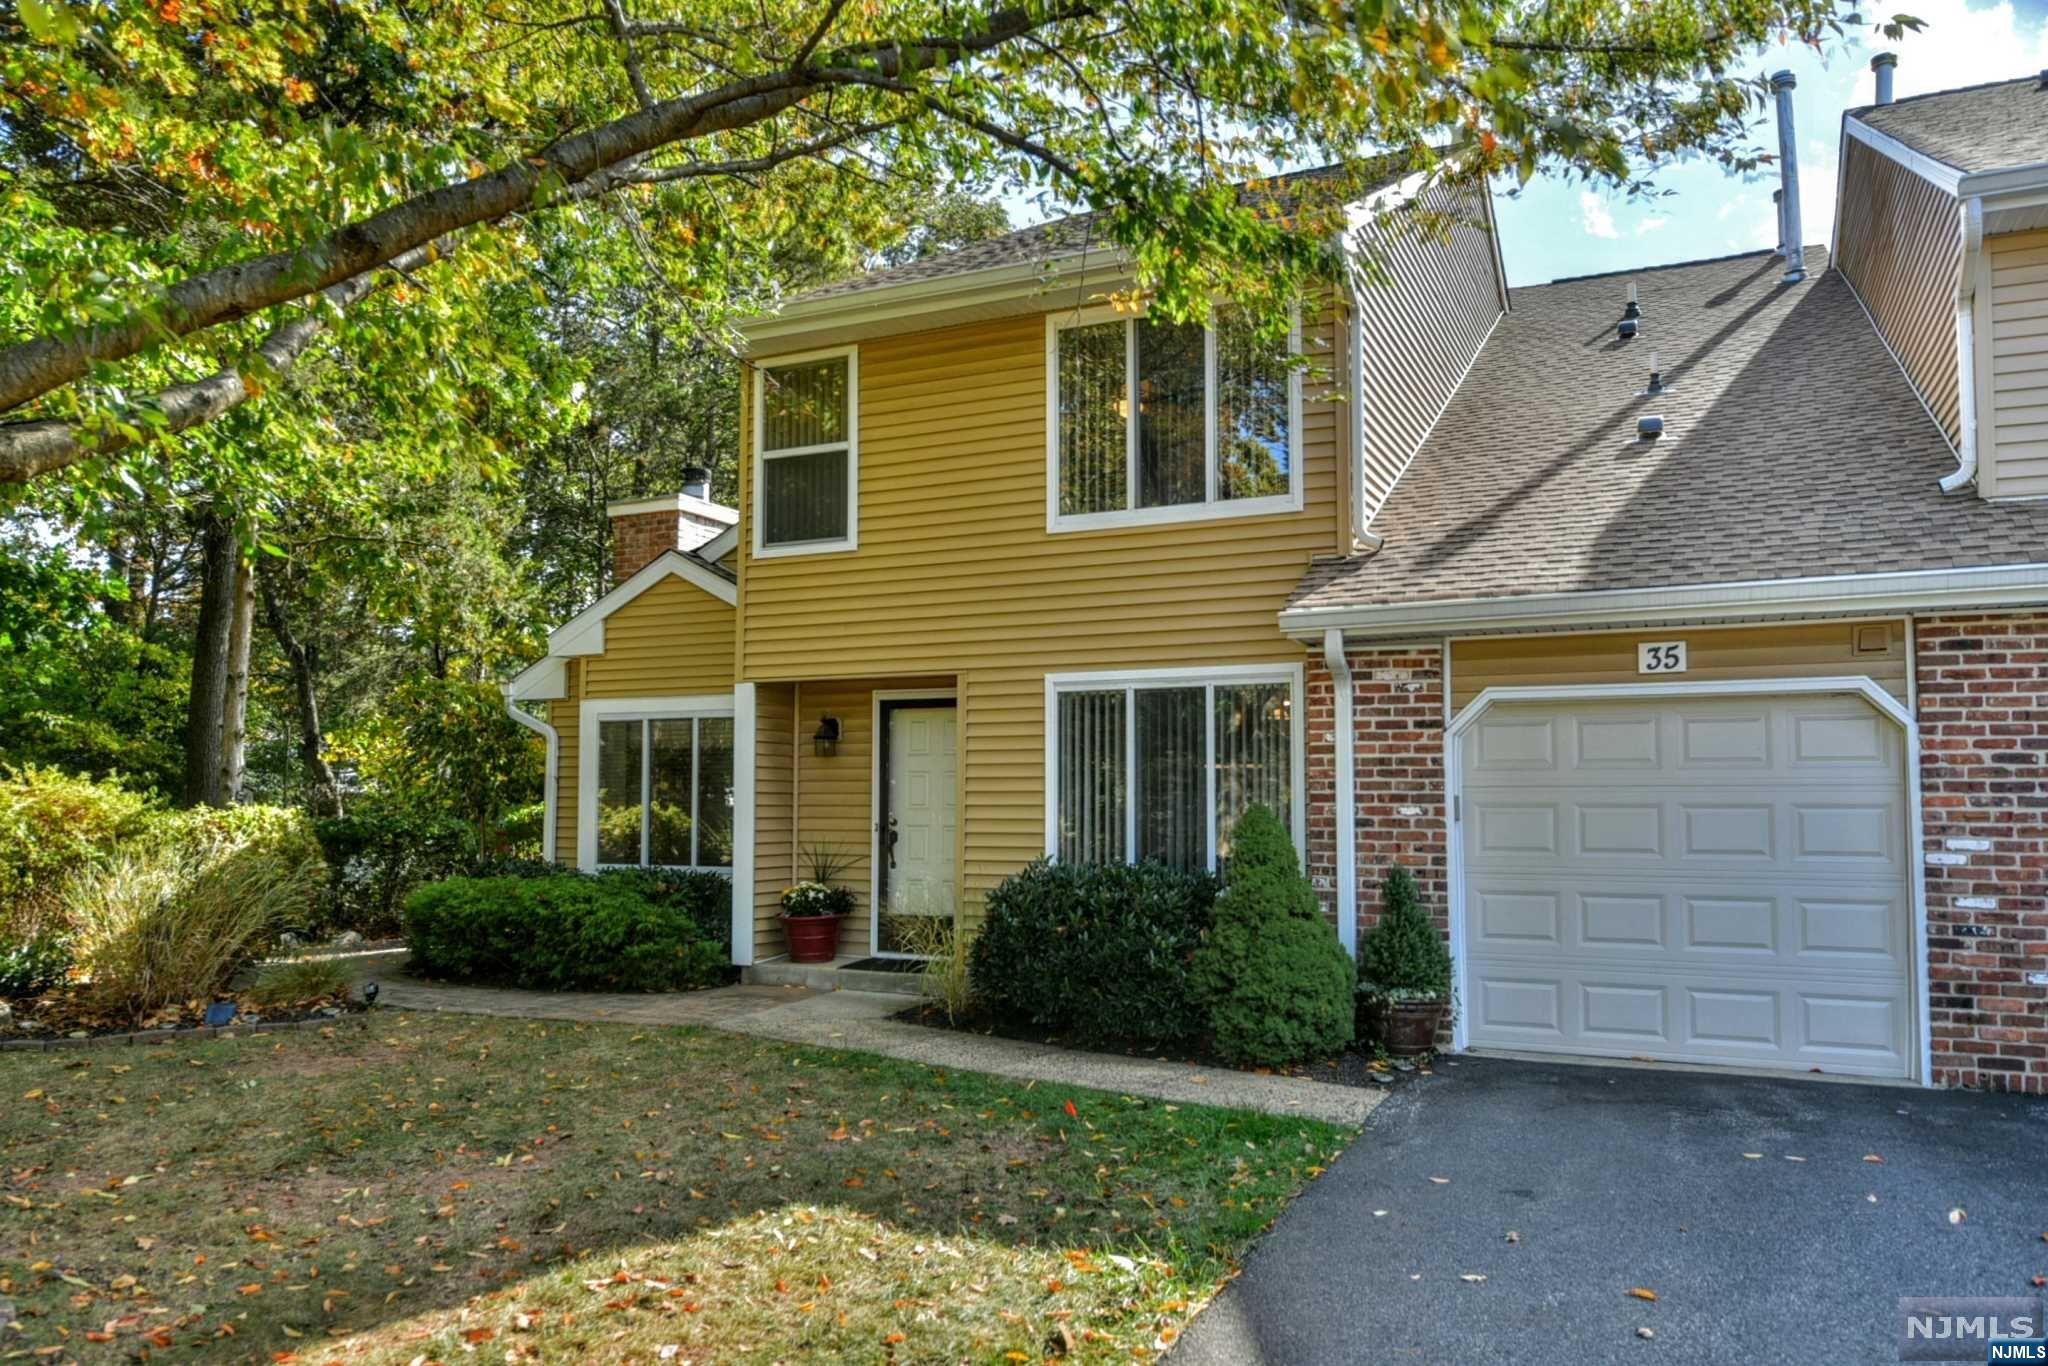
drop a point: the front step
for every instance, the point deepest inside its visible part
(832, 976)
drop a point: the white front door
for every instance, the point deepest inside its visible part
(920, 815)
(1718, 880)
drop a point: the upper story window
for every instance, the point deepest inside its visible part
(807, 453)
(1157, 421)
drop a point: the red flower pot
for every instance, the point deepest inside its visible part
(812, 938)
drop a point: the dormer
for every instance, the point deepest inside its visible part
(1942, 230)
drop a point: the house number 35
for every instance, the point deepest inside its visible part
(1660, 657)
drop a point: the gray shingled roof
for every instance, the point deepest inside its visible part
(1978, 128)
(1041, 244)
(1793, 448)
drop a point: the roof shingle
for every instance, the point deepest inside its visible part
(1977, 128)
(1793, 448)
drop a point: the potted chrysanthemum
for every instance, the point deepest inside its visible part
(814, 909)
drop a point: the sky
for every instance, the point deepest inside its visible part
(1555, 227)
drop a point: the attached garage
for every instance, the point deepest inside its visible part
(1688, 875)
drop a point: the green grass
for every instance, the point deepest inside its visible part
(432, 1185)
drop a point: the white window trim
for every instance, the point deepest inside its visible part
(1197, 676)
(851, 541)
(1210, 508)
(590, 713)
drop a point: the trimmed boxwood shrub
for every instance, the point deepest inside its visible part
(558, 934)
(1096, 953)
(706, 898)
(1276, 983)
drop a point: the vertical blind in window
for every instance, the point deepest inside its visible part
(1152, 413)
(1166, 773)
(805, 450)
(664, 792)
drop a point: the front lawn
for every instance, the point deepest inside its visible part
(433, 1187)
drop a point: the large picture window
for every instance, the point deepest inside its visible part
(664, 792)
(807, 438)
(1152, 420)
(1162, 766)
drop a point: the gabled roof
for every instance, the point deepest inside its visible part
(1793, 448)
(1978, 128)
(583, 634)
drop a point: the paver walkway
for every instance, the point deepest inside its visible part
(860, 1020)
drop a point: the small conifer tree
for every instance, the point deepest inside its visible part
(1403, 957)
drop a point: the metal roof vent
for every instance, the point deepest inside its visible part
(1632, 309)
(1626, 328)
(1650, 426)
(1657, 384)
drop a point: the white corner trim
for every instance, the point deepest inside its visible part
(1937, 173)
(744, 724)
(596, 709)
(1973, 294)
(551, 770)
(1837, 594)
(1198, 675)
(1210, 508)
(583, 634)
(760, 455)
(1856, 685)
(1345, 751)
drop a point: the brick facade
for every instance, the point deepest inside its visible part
(1398, 726)
(638, 538)
(1982, 684)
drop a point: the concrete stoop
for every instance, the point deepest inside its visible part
(832, 976)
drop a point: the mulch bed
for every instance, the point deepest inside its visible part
(1350, 1068)
(54, 1017)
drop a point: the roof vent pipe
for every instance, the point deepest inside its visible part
(1632, 309)
(1778, 209)
(697, 481)
(1788, 167)
(1882, 66)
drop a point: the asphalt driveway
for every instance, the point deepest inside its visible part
(1565, 1187)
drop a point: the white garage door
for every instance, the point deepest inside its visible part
(1714, 880)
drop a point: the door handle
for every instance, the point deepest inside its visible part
(892, 842)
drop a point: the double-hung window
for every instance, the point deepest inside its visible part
(661, 793)
(1161, 765)
(1156, 421)
(807, 453)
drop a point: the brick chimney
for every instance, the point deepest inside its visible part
(642, 528)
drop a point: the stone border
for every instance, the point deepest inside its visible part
(161, 1036)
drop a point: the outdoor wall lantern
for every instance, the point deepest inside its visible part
(826, 741)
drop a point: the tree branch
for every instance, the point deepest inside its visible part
(32, 368)
(767, 161)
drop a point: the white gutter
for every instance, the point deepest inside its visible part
(1971, 211)
(1346, 748)
(554, 764)
(1989, 586)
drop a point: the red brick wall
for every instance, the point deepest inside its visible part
(637, 539)
(1398, 728)
(1983, 698)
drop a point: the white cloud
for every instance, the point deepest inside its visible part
(1594, 217)
(1650, 225)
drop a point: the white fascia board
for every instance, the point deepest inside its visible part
(675, 502)
(583, 634)
(721, 545)
(1838, 594)
(2006, 180)
(1926, 167)
(544, 680)
(914, 298)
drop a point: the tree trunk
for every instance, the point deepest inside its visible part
(234, 723)
(222, 554)
(323, 793)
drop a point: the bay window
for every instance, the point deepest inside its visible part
(806, 467)
(1152, 420)
(660, 792)
(1162, 765)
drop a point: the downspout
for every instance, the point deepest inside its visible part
(554, 763)
(1342, 741)
(1362, 541)
(1971, 211)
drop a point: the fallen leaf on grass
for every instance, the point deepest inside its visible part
(1643, 1292)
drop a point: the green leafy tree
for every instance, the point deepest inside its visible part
(1277, 985)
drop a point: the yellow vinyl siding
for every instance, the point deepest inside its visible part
(775, 722)
(957, 575)
(2014, 434)
(1809, 650)
(564, 715)
(1902, 248)
(675, 639)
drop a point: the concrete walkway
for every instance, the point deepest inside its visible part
(860, 1020)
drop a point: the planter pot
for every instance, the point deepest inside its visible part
(1405, 1029)
(812, 938)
